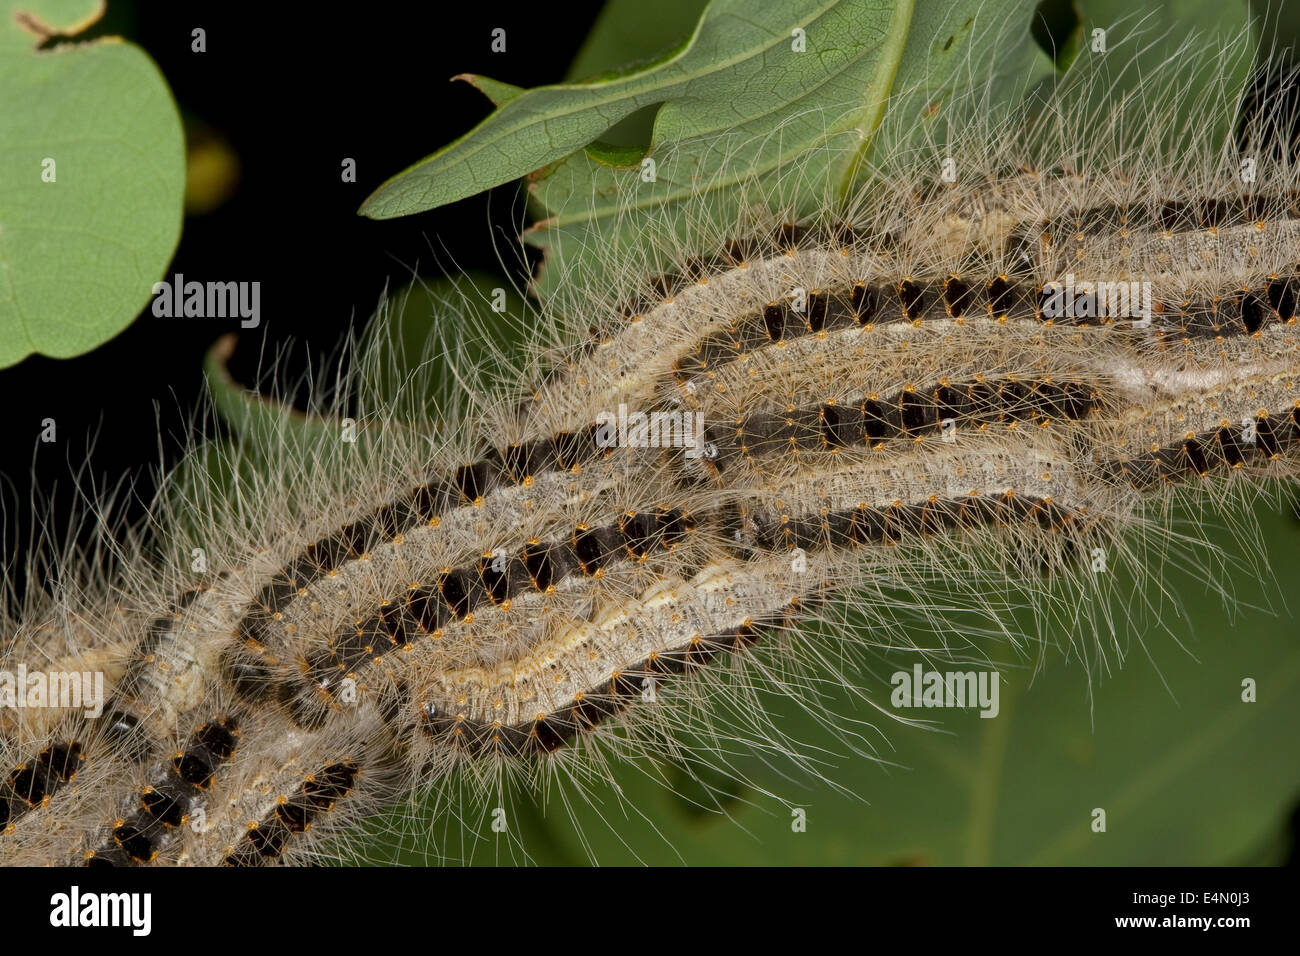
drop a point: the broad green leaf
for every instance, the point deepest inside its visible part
(805, 143)
(92, 169)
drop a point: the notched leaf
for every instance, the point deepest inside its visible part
(94, 174)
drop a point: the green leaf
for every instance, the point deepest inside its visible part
(79, 254)
(499, 93)
(266, 425)
(1134, 44)
(624, 35)
(414, 356)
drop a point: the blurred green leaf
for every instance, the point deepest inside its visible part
(434, 330)
(1136, 41)
(79, 253)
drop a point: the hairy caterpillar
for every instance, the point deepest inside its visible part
(886, 401)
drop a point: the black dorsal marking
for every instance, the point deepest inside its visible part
(912, 296)
(818, 307)
(958, 296)
(865, 303)
(35, 781)
(774, 321)
(1255, 311)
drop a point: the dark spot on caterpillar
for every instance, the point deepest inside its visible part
(912, 296)
(1254, 312)
(913, 407)
(502, 578)
(1196, 458)
(523, 461)
(1000, 291)
(542, 566)
(553, 732)
(1230, 452)
(195, 766)
(574, 448)
(167, 808)
(594, 547)
(774, 321)
(837, 429)
(475, 480)
(427, 609)
(865, 302)
(817, 307)
(638, 532)
(137, 843)
(875, 424)
(958, 296)
(393, 623)
(1268, 439)
(1282, 296)
(952, 402)
(269, 839)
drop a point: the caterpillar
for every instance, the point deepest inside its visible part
(933, 390)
